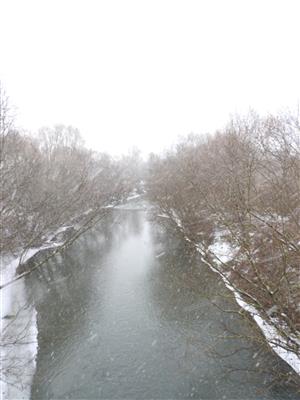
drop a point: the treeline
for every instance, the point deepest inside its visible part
(50, 180)
(238, 192)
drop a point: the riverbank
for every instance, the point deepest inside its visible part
(216, 256)
(18, 325)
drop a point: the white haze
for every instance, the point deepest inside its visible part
(140, 73)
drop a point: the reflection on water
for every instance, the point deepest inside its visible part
(128, 312)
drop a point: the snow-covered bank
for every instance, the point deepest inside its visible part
(221, 251)
(133, 196)
(123, 203)
(18, 329)
(129, 204)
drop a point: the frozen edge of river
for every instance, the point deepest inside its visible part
(271, 334)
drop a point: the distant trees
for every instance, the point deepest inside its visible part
(51, 180)
(241, 187)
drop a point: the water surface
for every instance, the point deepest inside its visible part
(128, 312)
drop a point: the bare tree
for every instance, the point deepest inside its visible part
(241, 187)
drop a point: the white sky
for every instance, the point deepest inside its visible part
(143, 72)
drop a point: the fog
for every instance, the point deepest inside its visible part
(140, 73)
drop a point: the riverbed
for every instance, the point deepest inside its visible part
(130, 312)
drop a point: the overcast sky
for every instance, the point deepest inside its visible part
(143, 72)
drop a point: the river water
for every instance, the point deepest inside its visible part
(129, 312)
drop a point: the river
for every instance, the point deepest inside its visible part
(129, 312)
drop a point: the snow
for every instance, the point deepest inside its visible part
(176, 219)
(160, 255)
(134, 196)
(109, 206)
(221, 249)
(32, 251)
(163, 216)
(64, 228)
(118, 204)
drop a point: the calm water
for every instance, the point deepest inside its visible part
(127, 312)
